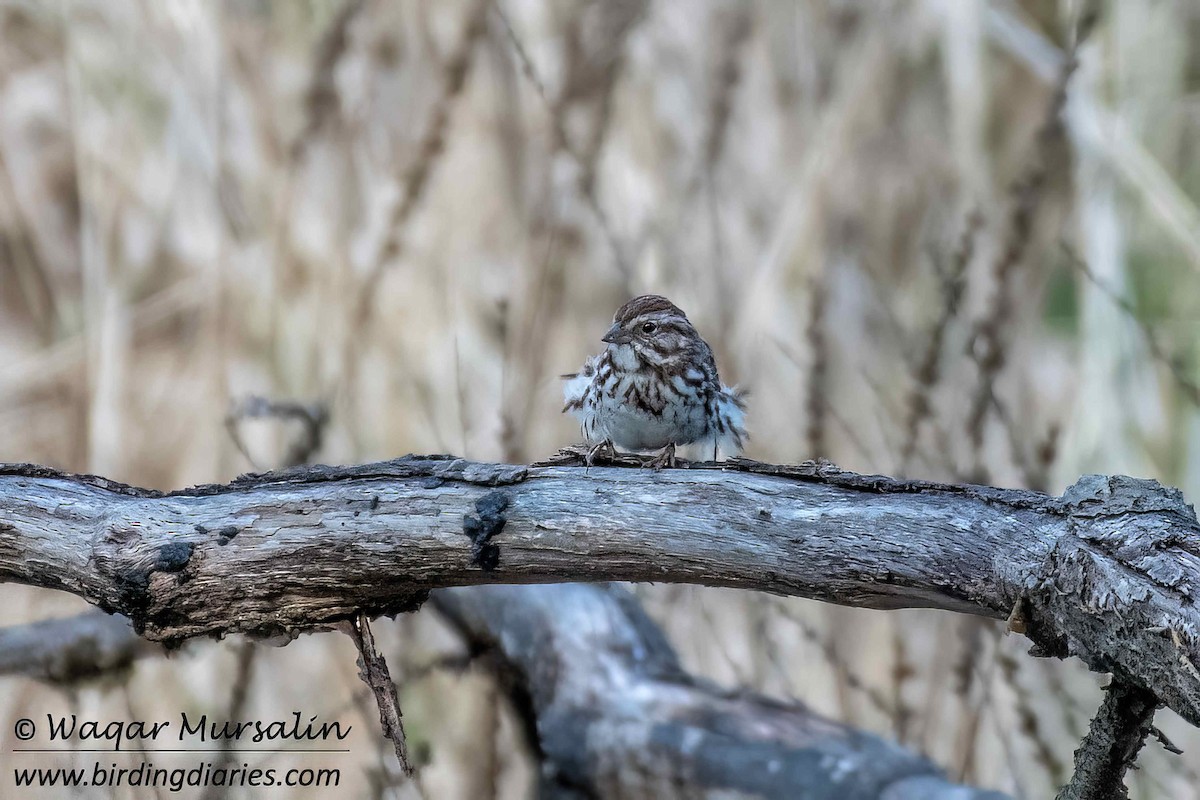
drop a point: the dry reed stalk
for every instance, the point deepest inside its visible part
(322, 106)
(817, 386)
(245, 654)
(735, 30)
(17, 247)
(1028, 724)
(1159, 352)
(968, 675)
(1104, 134)
(455, 71)
(989, 345)
(538, 305)
(797, 222)
(953, 284)
(937, 677)
(902, 671)
(828, 648)
(585, 181)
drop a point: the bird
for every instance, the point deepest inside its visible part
(654, 388)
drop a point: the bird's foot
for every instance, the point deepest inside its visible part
(605, 448)
(664, 458)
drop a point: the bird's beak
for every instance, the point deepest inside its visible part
(615, 336)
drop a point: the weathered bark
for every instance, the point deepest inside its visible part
(612, 714)
(1112, 743)
(606, 706)
(1108, 572)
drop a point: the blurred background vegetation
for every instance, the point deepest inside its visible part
(416, 214)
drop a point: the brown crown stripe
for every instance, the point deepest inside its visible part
(646, 304)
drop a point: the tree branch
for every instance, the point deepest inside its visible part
(1108, 572)
(71, 649)
(1111, 745)
(611, 713)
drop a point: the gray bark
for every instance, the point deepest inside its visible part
(1108, 572)
(72, 649)
(612, 714)
(1112, 743)
(605, 705)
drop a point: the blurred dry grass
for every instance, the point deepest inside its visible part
(419, 213)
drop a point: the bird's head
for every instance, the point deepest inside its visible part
(650, 328)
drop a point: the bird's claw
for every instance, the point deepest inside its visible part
(664, 458)
(605, 447)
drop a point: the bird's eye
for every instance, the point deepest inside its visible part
(649, 327)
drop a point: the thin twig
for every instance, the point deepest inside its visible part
(373, 669)
(1035, 468)
(1167, 744)
(19, 248)
(313, 417)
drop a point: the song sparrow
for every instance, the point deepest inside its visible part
(655, 387)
